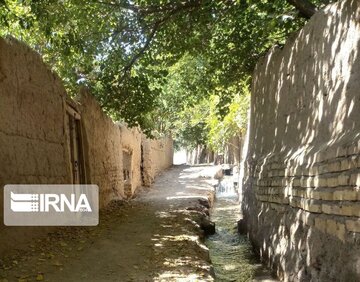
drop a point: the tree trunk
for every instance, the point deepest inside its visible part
(305, 7)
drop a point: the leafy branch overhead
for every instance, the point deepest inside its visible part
(127, 51)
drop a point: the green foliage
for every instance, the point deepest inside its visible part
(166, 65)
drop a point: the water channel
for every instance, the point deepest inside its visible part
(231, 253)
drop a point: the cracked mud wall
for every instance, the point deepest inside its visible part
(302, 171)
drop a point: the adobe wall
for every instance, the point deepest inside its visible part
(35, 137)
(102, 145)
(32, 127)
(31, 119)
(131, 144)
(302, 170)
(157, 157)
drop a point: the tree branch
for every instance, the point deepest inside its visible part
(156, 26)
(133, 60)
(305, 7)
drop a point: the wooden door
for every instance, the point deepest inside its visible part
(75, 147)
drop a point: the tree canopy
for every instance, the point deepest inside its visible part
(166, 65)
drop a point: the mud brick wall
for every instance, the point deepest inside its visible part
(32, 124)
(102, 146)
(302, 170)
(32, 128)
(157, 157)
(131, 144)
(35, 137)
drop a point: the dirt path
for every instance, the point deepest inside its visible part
(152, 238)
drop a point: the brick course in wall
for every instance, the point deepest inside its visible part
(328, 186)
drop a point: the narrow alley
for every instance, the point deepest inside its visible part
(154, 237)
(180, 140)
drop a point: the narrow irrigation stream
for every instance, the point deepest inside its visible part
(231, 254)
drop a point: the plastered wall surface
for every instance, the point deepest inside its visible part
(302, 170)
(35, 135)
